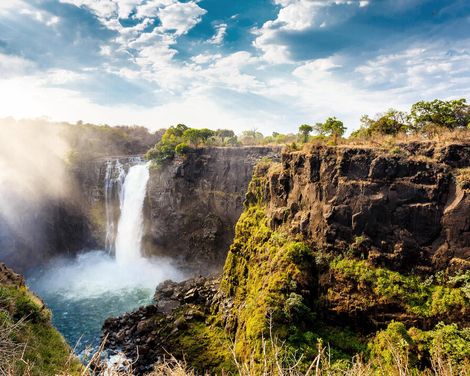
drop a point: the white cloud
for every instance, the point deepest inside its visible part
(316, 68)
(427, 67)
(11, 66)
(220, 32)
(180, 17)
(6, 6)
(300, 15)
(102, 8)
(150, 49)
(205, 58)
(41, 16)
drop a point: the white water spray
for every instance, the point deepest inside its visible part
(113, 184)
(130, 226)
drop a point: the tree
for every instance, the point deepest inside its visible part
(251, 137)
(197, 136)
(390, 123)
(450, 114)
(192, 135)
(173, 134)
(205, 134)
(331, 127)
(305, 131)
(224, 133)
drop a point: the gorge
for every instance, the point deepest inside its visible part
(83, 292)
(327, 243)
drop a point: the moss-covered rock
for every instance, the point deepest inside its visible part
(34, 346)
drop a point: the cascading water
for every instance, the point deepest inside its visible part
(83, 292)
(130, 227)
(113, 186)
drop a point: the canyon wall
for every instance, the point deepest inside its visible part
(405, 209)
(194, 202)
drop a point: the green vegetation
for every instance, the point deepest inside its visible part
(267, 273)
(332, 127)
(88, 141)
(31, 346)
(305, 131)
(425, 118)
(206, 346)
(422, 298)
(392, 122)
(179, 139)
(271, 277)
(445, 345)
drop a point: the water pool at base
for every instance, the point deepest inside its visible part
(83, 292)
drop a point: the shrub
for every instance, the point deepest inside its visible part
(182, 148)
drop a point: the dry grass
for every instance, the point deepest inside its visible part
(440, 137)
(11, 352)
(277, 363)
(463, 177)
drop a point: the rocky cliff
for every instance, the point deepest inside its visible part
(406, 209)
(355, 247)
(194, 202)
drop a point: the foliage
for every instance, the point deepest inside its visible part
(88, 141)
(390, 123)
(414, 348)
(425, 117)
(268, 274)
(417, 297)
(43, 350)
(447, 114)
(251, 137)
(197, 136)
(305, 131)
(182, 148)
(332, 127)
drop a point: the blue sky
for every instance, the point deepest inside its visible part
(265, 64)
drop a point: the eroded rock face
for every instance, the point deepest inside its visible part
(194, 202)
(9, 278)
(405, 208)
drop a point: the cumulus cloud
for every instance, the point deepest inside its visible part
(428, 67)
(220, 31)
(297, 16)
(180, 17)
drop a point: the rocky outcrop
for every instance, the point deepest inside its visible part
(9, 278)
(404, 208)
(194, 202)
(150, 333)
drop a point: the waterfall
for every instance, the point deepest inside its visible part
(113, 186)
(130, 226)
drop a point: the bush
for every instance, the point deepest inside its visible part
(182, 148)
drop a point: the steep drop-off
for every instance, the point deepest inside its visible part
(357, 247)
(194, 202)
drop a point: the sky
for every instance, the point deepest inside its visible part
(269, 65)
